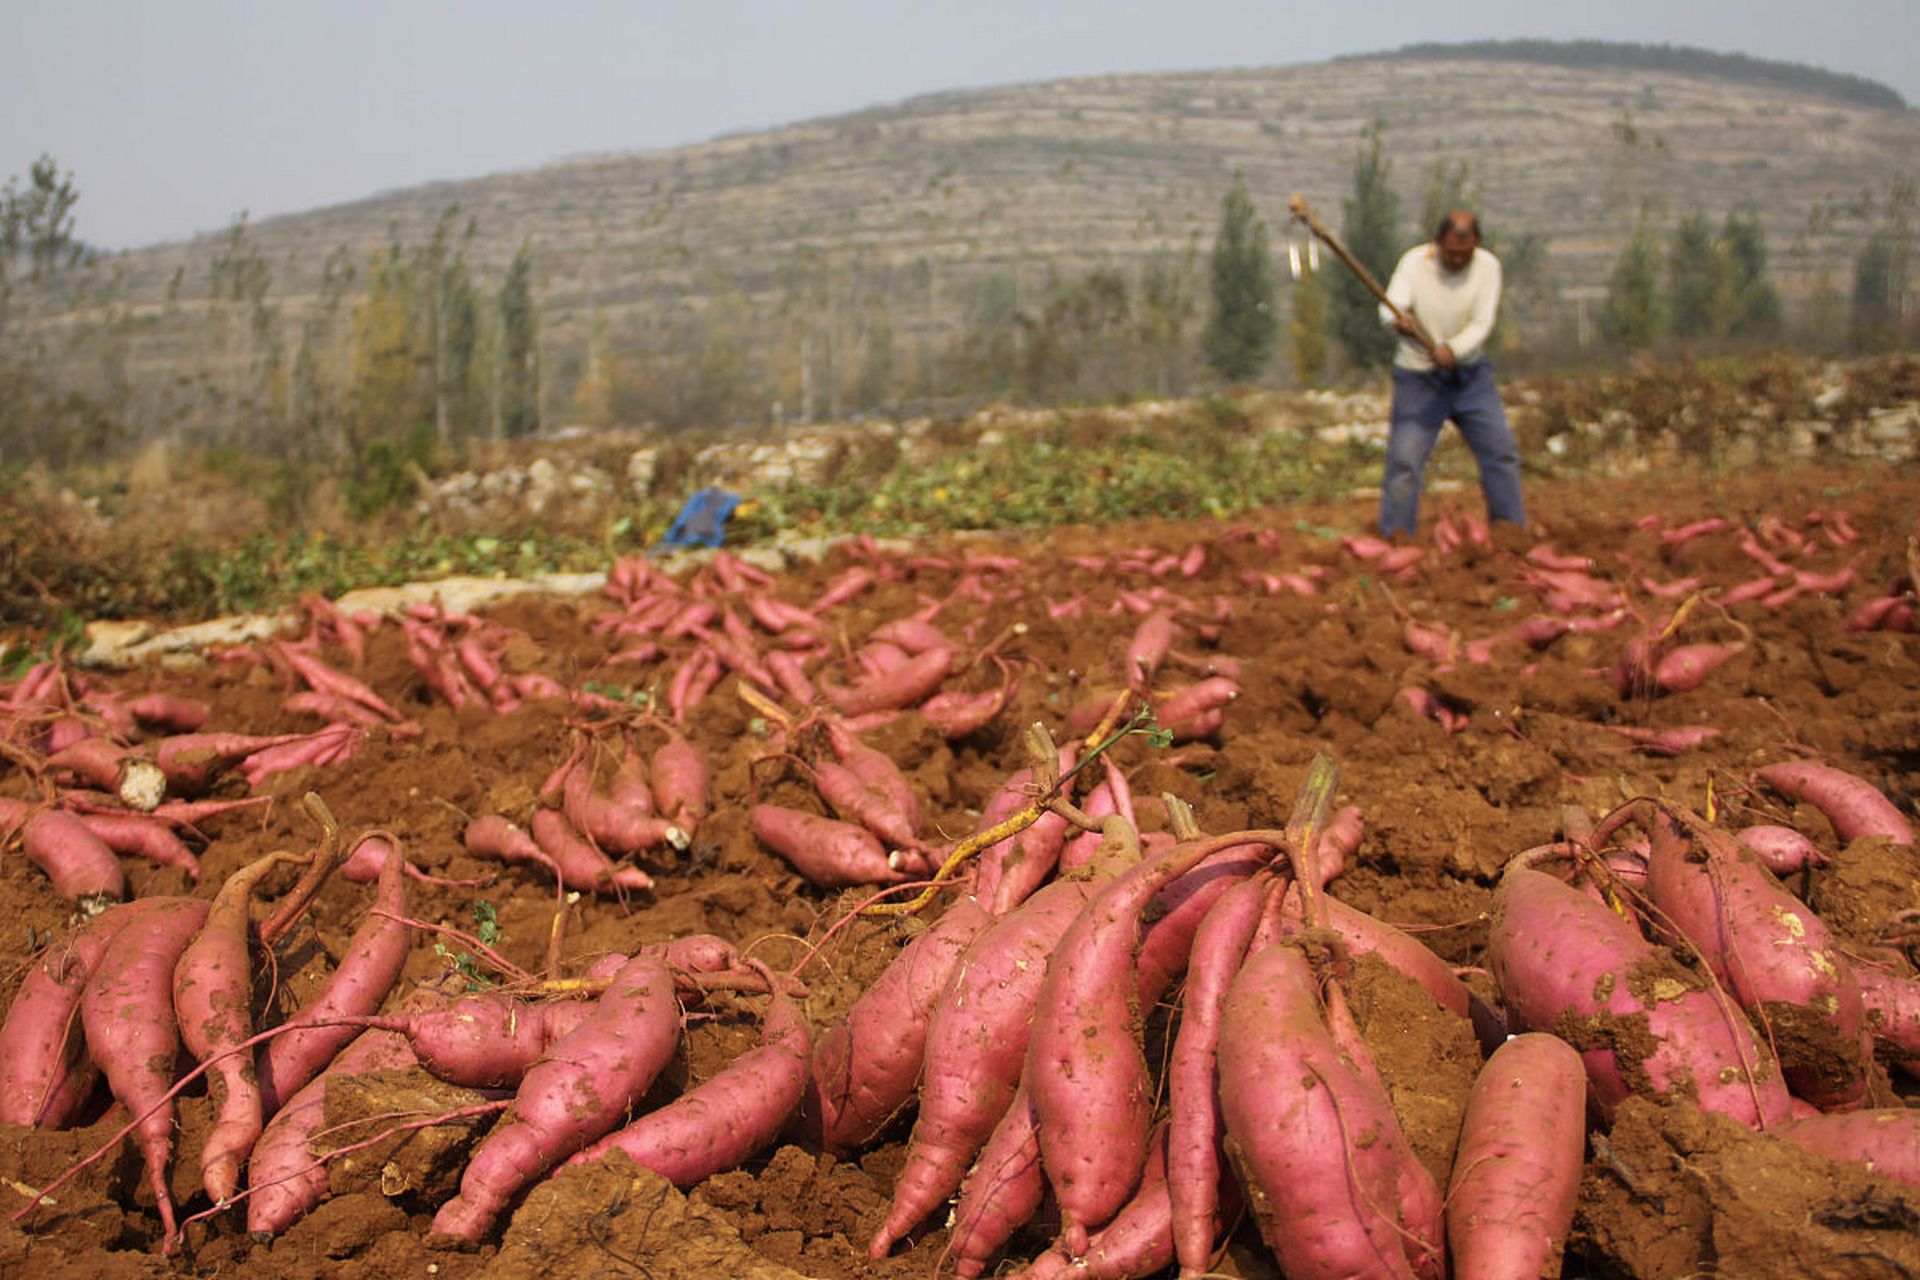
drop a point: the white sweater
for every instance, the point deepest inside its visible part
(1457, 307)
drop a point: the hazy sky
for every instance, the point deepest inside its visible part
(174, 115)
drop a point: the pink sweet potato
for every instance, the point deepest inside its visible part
(1776, 957)
(574, 1096)
(284, 1180)
(681, 781)
(1193, 1127)
(368, 969)
(80, 864)
(1516, 1172)
(213, 1004)
(1001, 1192)
(485, 1041)
(1086, 1069)
(1885, 1139)
(45, 1074)
(579, 864)
(1566, 963)
(131, 1032)
(1853, 805)
(145, 835)
(1781, 850)
(831, 854)
(1892, 1003)
(977, 1044)
(722, 1121)
(1316, 1144)
(866, 1065)
(906, 685)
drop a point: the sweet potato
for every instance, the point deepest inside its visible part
(213, 1004)
(1885, 1139)
(1892, 1004)
(681, 781)
(577, 1094)
(977, 1044)
(1516, 1171)
(906, 685)
(80, 864)
(45, 1074)
(1086, 1070)
(831, 854)
(1317, 1147)
(722, 1121)
(1193, 1127)
(145, 835)
(485, 1041)
(1138, 1242)
(367, 970)
(1774, 954)
(1001, 1192)
(1853, 805)
(1566, 963)
(866, 1065)
(131, 1032)
(1781, 850)
(579, 864)
(607, 821)
(284, 1180)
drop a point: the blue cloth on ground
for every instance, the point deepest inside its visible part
(702, 521)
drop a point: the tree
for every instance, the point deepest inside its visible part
(39, 220)
(1698, 281)
(1241, 331)
(517, 376)
(1882, 271)
(1757, 313)
(1635, 314)
(1369, 218)
(240, 281)
(1307, 328)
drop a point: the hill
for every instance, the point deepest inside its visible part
(892, 255)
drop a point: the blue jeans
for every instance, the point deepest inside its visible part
(1422, 404)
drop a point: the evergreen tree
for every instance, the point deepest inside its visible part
(1696, 281)
(1756, 303)
(1241, 331)
(1307, 328)
(518, 380)
(1369, 218)
(38, 220)
(1879, 284)
(1635, 314)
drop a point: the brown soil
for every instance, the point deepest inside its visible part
(1670, 1193)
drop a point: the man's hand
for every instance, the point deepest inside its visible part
(1405, 326)
(1443, 357)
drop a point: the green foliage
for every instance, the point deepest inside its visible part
(1699, 285)
(1369, 218)
(1756, 312)
(1635, 313)
(1307, 329)
(382, 474)
(518, 376)
(1241, 331)
(37, 220)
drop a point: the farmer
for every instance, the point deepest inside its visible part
(1451, 287)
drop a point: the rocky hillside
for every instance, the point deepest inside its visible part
(910, 219)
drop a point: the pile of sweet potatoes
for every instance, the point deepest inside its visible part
(1106, 1026)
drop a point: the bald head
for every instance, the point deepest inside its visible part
(1457, 236)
